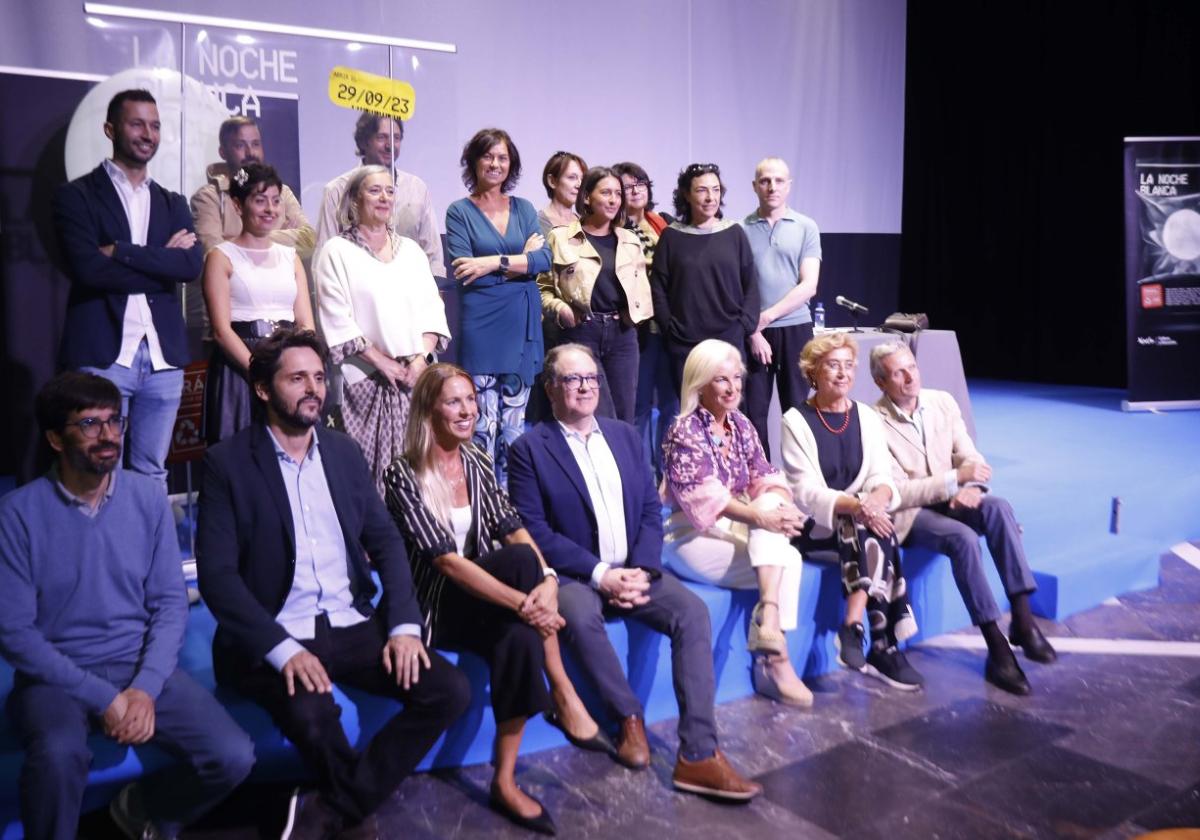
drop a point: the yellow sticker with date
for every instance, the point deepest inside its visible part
(367, 92)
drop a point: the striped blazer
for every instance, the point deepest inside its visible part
(493, 517)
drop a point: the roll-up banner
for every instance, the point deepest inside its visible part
(1162, 272)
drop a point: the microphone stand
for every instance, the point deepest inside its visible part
(854, 316)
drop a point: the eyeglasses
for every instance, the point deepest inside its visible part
(636, 186)
(702, 169)
(90, 426)
(575, 381)
(842, 367)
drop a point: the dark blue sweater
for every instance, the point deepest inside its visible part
(82, 592)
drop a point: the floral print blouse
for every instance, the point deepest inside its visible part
(700, 480)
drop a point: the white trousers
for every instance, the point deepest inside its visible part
(728, 553)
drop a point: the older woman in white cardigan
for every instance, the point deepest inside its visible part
(837, 463)
(381, 315)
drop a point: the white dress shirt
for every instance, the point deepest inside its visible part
(603, 480)
(139, 323)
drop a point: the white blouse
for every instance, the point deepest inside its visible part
(460, 518)
(391, 304)
(262, 286)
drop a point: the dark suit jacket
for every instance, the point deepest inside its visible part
(546, 485)
(246, 545)
(88, 214)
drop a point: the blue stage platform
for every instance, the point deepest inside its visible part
(1060, 455)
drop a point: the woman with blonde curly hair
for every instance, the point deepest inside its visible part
(837, 462)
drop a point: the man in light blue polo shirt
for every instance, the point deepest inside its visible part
(787, 254)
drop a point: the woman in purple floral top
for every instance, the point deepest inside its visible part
(732, 513)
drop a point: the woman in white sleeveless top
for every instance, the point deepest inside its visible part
(252, 285)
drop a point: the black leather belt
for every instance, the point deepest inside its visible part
(603, 316)
(257, 329)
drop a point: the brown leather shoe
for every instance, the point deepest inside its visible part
(632, 749)
(714, 776)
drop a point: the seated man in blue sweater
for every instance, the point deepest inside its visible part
(93, 619)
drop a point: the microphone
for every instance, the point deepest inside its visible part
(846, 303)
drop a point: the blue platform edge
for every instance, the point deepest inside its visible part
(1097, 451)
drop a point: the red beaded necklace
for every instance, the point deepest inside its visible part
(825, 423)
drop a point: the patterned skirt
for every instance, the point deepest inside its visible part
(375, 414)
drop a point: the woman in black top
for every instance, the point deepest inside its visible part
(703, 282)
(837, 462)
(597, 291)
(481, 582)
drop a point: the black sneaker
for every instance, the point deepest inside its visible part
(849, 644)
(891, 667)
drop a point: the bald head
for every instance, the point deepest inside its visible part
(772, 184)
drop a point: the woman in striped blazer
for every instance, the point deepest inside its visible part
(481, 581)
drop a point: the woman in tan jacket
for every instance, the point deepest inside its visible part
(597, 289)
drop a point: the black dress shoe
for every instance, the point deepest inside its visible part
(1035, 645)
(597, 743)
(1007, 676)
(543, 823)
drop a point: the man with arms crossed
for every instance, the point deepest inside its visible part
(288, 517)
(93, 619)
(945, 506)
(787, 256)
(585, 492)
(128, 244)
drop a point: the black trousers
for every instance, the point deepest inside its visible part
(356, 783)
(678, 352)
(513, 649)
(786, 344)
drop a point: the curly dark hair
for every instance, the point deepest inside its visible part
(72, 390)
(258, 177)
(684, 186)
(265, 358)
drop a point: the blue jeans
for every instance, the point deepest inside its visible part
(150, 401)
(654, 388)
(615, 346)
(213, 755)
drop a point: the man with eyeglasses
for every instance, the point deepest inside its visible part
(93, 620)
(787, 255)
(586, 495)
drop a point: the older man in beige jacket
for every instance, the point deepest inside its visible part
(945, 506)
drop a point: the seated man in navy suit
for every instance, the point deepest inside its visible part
(584, 489)
(288, 516)
(128, 244)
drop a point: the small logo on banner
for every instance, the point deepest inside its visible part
(364, 91)
(1152, 296)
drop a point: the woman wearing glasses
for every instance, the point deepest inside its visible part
(837, 462)
(732, 512)
(654, 384)
(703, 279)
(381, 315)
(497, 252)
(597, 291)
(561, 177)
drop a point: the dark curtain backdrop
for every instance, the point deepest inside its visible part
(1012, 221)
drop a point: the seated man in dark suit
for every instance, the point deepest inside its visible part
(584, 489)
(288, 517)
(128, 244)
(93, 618)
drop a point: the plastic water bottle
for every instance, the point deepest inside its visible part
(819, 317)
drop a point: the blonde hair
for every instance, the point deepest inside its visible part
(347, 215)
(436, 492)
(700, 368)
(820, 347)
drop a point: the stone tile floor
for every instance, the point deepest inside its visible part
(1107, 746)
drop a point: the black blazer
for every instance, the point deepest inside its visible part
(88, 214)
(246, 545)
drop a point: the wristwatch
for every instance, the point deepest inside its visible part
(504, 263)
(548, 572)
